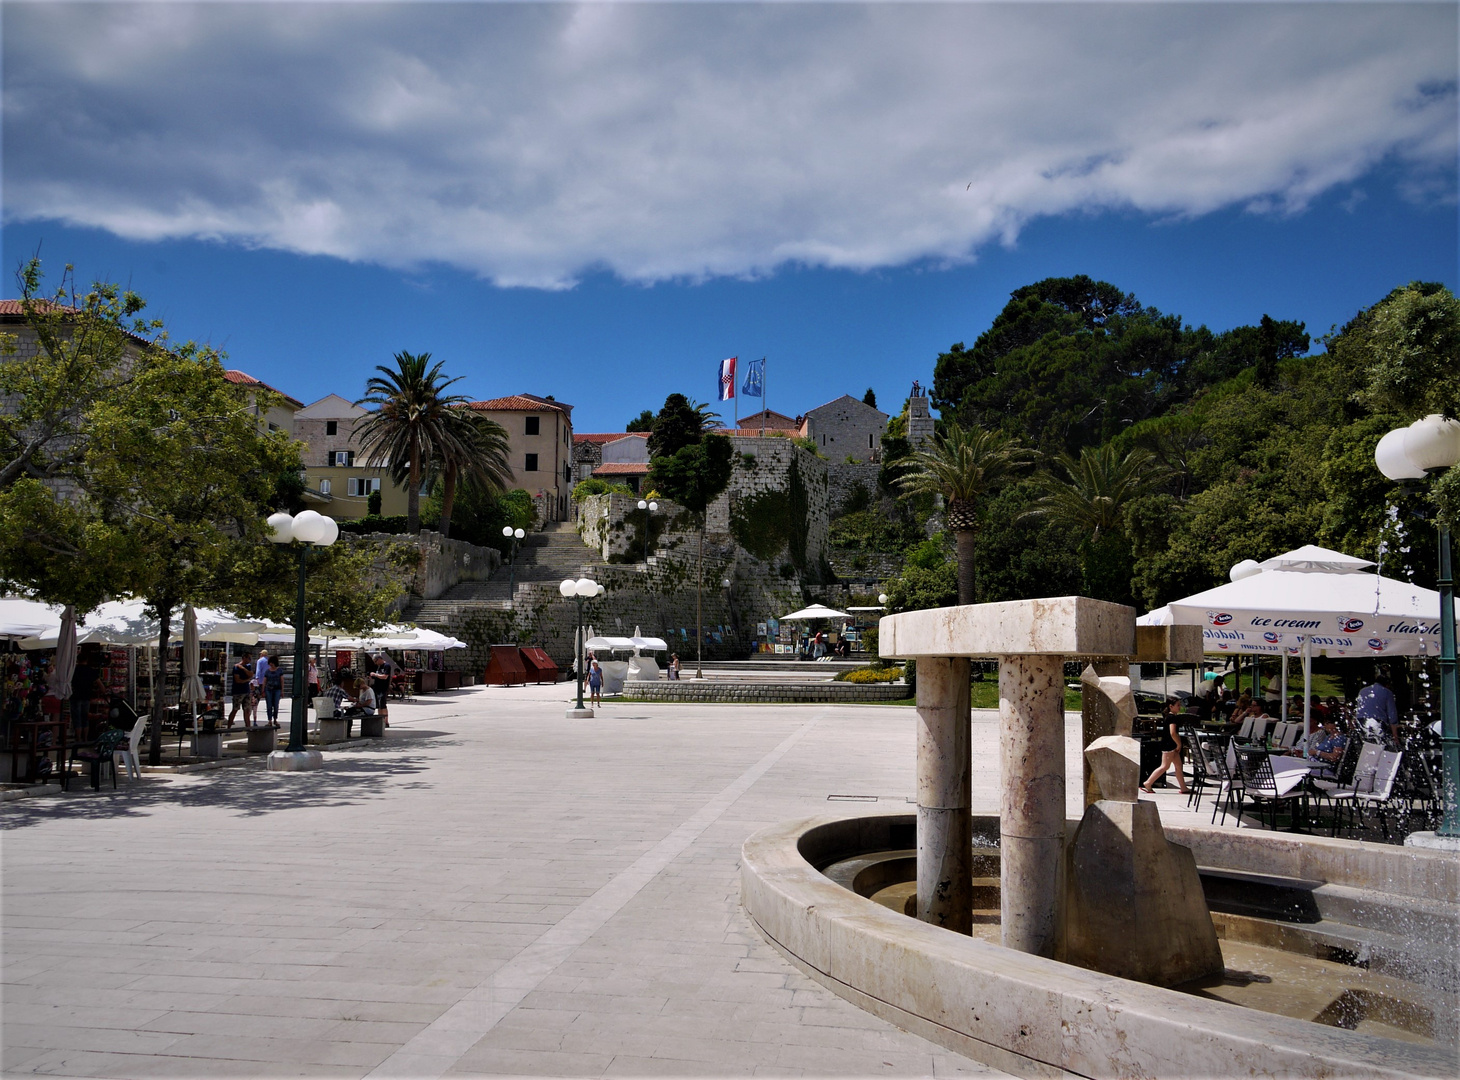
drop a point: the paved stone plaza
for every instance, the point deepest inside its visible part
(493, 890)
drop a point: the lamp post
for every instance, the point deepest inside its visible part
(1411, 453)
(648, 508)
(580, 590)
(515, 535)
(305, 529)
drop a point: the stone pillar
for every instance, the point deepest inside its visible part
(1032, 806)
(945, 773)
(1097, 717)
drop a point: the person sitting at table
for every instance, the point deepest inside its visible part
(1243, 708)
(1326, 744)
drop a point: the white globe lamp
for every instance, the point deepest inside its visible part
(1244, 569)
(1432, 443)
(309, 527)
(568, 587)
(1392, 460)
(281, 528)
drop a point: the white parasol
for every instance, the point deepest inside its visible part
(816, 611)
(126, 622)
(192, 683)
(65, 670)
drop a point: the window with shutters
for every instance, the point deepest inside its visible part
(324, 487)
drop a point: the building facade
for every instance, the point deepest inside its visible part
(335, 474)
(540, 448)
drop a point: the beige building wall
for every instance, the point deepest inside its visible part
(540, 448)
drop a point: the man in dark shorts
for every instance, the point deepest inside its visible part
(242, 691)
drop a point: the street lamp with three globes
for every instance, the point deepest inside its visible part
(306, 529)
(1431, 445)
(580, 590)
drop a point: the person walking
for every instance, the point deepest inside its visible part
(1170, 750)
(673, 670)
(312, 678)
(242, 678)
(595, 682)
(273, 689)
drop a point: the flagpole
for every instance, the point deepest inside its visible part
(735, 375)
(763, 405)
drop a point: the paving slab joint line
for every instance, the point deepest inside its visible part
(481, 1008)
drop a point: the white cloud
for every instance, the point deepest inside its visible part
(533, 143)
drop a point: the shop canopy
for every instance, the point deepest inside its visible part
(816, 611)
(1311, 596)
(125, 622)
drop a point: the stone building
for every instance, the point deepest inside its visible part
(540, 441)
(588, 451)
(846, 427)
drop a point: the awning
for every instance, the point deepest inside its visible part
(816, 611)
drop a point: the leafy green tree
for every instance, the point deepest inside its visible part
(676, 425)
(694, 476)
(85, 344)
(964, 467)
(1090, 500)
(413, 419)
(643, 422)
(1020, 557)
(1072, 362)
(1413, 340)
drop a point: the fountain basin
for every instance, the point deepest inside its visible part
(1036, 1017)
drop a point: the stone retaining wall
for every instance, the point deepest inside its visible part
(797, 694)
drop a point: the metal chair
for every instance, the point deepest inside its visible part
(1381, 794)
(1340, 791)
(1260, 785)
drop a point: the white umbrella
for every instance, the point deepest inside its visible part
(65, 669)
(816, 611)
(125, 622)
(27, 618)
(192, 683)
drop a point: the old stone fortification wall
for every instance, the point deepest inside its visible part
(844, 478)
(660, 603)
(441, 562)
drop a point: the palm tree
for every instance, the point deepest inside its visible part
(1097, 487)
(413, 418)
(476, 453)
(963, 465)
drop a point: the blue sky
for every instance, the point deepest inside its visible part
(629, 194)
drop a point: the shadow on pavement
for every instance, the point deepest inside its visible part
(347, 779)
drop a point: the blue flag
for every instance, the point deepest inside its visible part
(754, 379)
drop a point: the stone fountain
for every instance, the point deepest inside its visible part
(1096, 918)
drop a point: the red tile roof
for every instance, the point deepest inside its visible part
(243, 378)
(14, 307)
(598, 436)
(519, 403)
(623, 468)
(754, 433)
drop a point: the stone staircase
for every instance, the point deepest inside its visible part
(555, 553)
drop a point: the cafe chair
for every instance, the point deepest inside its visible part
(1260, 785)
(126, 755)
(99, 754)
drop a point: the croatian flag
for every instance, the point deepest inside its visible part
(754, 379)
(727, 379)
